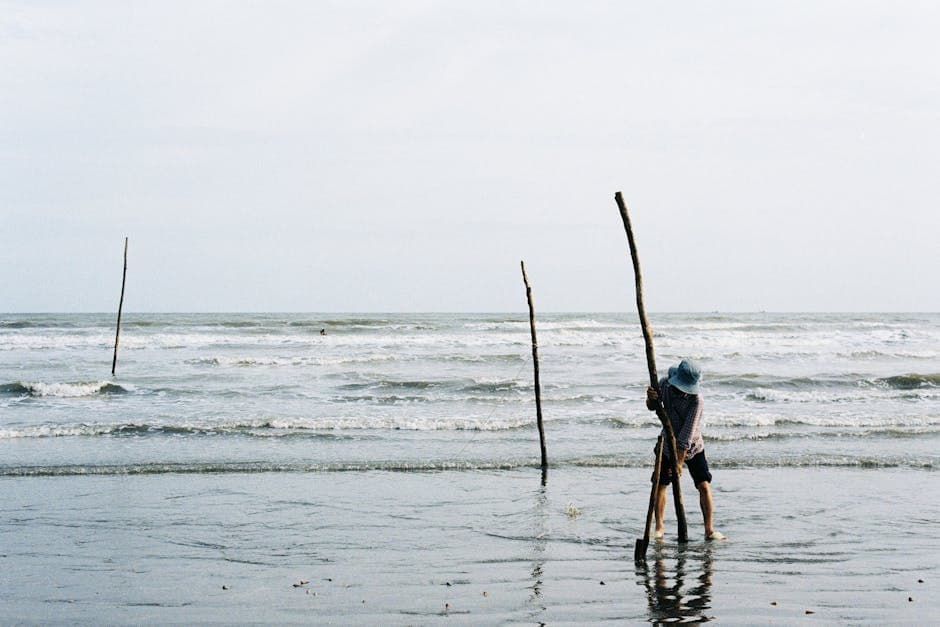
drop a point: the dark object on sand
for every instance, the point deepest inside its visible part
(535, 364)
(640, 551)
(117, 334)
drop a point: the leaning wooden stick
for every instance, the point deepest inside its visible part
(535, 363)
(651, 364)
(117, 333)
(639, 552)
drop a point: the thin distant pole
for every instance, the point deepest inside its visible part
(117, 334)
(535, 364)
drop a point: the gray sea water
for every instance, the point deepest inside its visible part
(397, 455)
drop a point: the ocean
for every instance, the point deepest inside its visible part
(391, 463)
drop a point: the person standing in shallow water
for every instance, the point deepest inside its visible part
(683, 404)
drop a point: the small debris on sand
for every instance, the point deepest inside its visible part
(302, 582)
(773, 602)
(572, 511)
(810, 612)
(226, 587)
(910, 599)
(603, 584)
(920, 581)
(485, 594)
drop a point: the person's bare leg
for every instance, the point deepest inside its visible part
(705, 501)
(660, 510)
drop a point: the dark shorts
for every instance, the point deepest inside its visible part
(698, 468)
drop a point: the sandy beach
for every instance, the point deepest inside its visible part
(858, 547)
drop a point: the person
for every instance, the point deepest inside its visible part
(682, 401)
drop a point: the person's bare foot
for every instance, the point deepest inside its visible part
(715, 535)
(659, 534)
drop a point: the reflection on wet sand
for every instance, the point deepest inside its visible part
(682, 594)
(540, 515)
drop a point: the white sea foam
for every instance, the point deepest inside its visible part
(304, 360)
(72, 390)
(273, 427)
(55, 431)
(850, 419)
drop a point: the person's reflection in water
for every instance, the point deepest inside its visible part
(671, 599)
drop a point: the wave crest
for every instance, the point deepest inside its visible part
(600, 461)
(912, 381)
(62, 390)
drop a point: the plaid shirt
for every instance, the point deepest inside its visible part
(685, 414)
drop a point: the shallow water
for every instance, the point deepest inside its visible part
(476, 547)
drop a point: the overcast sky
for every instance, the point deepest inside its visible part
(404, 156)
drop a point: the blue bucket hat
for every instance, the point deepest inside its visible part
(685, 376)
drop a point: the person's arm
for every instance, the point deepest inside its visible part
(691, 424)
(682, 454)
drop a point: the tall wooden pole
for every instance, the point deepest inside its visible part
(117, 334)
(651, 364)
(535, 363)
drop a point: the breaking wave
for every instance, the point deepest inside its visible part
(314, 428)
(63, 390)
(910, 381)
(160, 468)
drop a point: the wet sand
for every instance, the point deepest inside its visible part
(831, 545)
